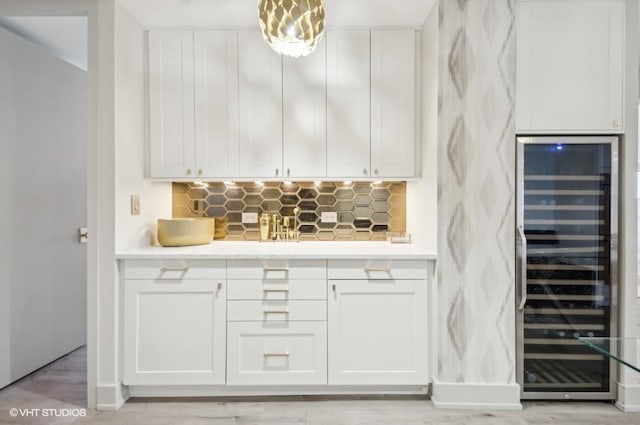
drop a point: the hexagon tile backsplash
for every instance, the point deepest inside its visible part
(366, 211)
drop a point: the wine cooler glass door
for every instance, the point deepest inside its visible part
(565, 265)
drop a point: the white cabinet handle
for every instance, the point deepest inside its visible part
(284, 311)
(275, 269)
(182, 269)
(282, 354)
(275, 289)
(376, 269)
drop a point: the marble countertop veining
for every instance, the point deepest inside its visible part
(285, 250)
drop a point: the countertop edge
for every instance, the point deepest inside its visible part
(234, 256)
(303, 251)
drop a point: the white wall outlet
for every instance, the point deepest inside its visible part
(249, 218)
(329, 217)
(135, 204)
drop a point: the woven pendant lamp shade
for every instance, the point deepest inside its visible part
(292, 27)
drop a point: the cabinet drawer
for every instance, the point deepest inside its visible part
(377, 269)
(285, 353)
(276, 311)
(175, 269)
(277, 269)
(275, 289)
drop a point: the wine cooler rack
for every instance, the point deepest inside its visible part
(566, 215)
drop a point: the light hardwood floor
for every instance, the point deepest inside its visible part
(62, 385)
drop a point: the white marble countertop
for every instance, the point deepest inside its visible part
(284, 250)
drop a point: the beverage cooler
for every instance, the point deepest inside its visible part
(566, 265)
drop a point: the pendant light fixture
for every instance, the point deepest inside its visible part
(292, 27)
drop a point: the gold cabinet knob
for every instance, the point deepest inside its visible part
(200, 171)
(364, 171)
(288, 172)
(188, 171)
(375, 172)
(277, 172)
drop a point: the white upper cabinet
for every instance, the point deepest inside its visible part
(305, 114)
(171, 104)
(216, 103)
(348, 103)
(223, 105)
(393, 94)
(570, 66)
(260, 86)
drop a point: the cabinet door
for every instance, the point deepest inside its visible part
(305, 114)
(216, 97)
(570, 67)
(377, 332)
(171, 104)
(260, 85)
(284, 353)
(393, 103)
(348, 103)
(175, 332)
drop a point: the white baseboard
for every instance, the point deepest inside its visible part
(453, 395)
(111, 397)
(628, 398)
(273, 390)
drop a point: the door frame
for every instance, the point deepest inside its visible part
(100, 164)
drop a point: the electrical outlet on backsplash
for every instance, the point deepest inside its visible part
(365, 211)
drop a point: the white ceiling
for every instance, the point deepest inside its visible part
(64, 36)
(244, 13)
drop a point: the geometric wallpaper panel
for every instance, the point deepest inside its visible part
(476, 187)
(365, 211)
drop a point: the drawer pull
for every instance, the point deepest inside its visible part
(283, 354)
(275, 269)
(182, 269)
(376, 269)
(285, 311)
(275, 289)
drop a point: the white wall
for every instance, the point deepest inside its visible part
(629, 380)
(43, 193)
(155, 197)
(422, 195)
(121, 153)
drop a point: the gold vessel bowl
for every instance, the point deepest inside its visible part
(185, 231)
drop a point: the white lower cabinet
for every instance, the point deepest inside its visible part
(377, 332)
(258, 323)
(175, 328)
(277, 353)
(277, 322)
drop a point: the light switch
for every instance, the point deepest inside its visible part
(135, 204)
